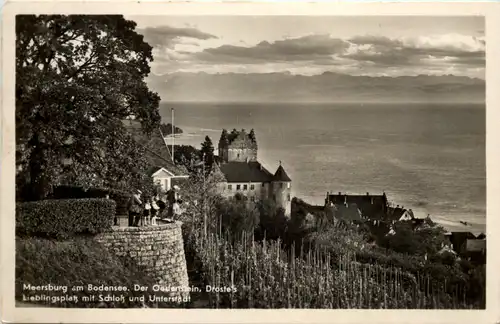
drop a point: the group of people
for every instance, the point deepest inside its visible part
(144, 211)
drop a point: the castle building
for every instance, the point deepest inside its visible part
(243, 173)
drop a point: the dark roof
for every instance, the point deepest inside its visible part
(371, 206)
(251, 171)
(395, 213)
(281, 175)
(158, 152)
(351, 212)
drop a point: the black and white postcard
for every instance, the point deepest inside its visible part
(250, 162)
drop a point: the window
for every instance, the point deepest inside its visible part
(230, 187)
(245, 187)
(288, 197)
(238, 187)
(252, 187)
(252, 199)
(281, 184)
(288, 185)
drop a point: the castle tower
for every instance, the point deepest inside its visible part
(223, 145)
(238, 146)
(282, 189)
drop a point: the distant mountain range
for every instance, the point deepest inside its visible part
(326, 87)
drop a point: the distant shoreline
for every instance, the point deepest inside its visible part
(364, 103)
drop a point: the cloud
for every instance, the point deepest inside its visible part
(317, 53)
(306, 48)
(455, 49)
(167, 36)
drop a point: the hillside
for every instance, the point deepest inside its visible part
(326, 87)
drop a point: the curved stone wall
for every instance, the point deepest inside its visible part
(159, 250)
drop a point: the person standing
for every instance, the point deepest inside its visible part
(134, 209)
(171, 198)
(147, 212)
(162, 206)
(154, 210)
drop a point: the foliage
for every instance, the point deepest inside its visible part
(63, 218)
(476, 287)
(201, 199)
(186, 155)
(337, 240)
(73, 192)
(265, 276)
(273, 223)
(237, 215)
(76, 262)
(77, 78)
(252, 135)
(166, 129)
(424, 241)
(207, 151)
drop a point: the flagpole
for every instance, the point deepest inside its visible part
(173, 137)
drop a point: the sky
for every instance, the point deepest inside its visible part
(311, 45)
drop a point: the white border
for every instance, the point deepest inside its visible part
(7, 171)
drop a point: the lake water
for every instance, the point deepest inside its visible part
(430, 158)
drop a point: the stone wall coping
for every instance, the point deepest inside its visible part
(145, 229)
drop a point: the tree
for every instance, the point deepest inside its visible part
(77, 78)
(237, 216)
(207, 151)
(272, 222)
(166, 129)
(252, 135)
(186, 155)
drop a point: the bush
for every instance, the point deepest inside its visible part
(237, 216)
(121, 197)
(64, 218)
(273, 222)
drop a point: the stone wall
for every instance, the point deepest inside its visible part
(157, 249)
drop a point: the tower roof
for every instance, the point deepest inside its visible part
(281, 175)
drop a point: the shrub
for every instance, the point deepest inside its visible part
(64, 218)
(273, 222)
(121, 197)
(236, 216)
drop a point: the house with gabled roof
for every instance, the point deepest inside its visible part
(374, 207)
(242, 173)
(162, 168)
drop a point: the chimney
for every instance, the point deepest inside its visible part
(367, 193)
(340, 194)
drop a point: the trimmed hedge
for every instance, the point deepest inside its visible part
(62, 218)
(74, 192)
